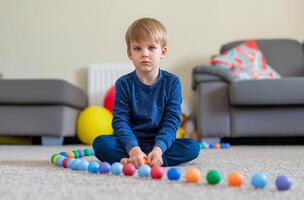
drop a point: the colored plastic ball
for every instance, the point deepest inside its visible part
(87, 152)
(76, 154)
(109, 99)
(93, 167)
(65, 161)
(193, 175)
(80, 153)
(174, 174)
(213, 177)
(83, 165)
(71, 154)
(53, 157)
(128, 169)
(104, 168)
(283, 183)
(211, 146)
(144, 171)
(204, 145)
(92, 122)
(64, 154)
(116, 168)
(59, 160)
(69, 163)
(75, 164)
(157, 172)
(259, 181)
(92, 153)
(235, 179)
(217, 146)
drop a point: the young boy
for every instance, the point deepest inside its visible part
(147, 108)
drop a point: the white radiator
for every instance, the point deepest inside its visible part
(101, 77)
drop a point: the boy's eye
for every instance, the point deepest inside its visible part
(136, 48)
(152, 48)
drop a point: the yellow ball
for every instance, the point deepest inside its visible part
(180, 133)
(92, 122)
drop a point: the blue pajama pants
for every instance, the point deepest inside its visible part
(108, 148)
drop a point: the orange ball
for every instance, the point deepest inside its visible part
(193, 175)
(71, 154)
(217, 146)
(145, 161)
(235, 179)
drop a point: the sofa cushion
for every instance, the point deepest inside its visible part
(286, 91)
(245, 62)
(286, 56)
(42, 92)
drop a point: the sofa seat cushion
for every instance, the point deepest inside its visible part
(286, 91)
(41, 92)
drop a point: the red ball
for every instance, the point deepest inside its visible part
(128, 169)
(65, 161)
(109, 99)
(157, 172)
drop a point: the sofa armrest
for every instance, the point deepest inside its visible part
(209, 73)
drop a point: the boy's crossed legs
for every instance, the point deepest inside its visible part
(108, 148)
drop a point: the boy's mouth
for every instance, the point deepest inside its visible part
(145, 62)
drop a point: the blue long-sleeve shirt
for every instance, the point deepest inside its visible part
(148, 113)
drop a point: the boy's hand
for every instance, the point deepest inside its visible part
(136, 156)
(155, 157)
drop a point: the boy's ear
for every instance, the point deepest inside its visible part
(164, 52)
(129, 54)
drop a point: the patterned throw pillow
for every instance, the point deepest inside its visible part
(245, 62)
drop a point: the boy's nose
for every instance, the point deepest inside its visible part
(145, 53)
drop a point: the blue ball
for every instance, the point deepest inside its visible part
(211, 146)
(83, 165)
(92, 152)
(104, 168)
(70, 162)
(116, 168)
(93, 167)
(174, 174)
(81, 153)
(259, 180)
(144, 171)
(75, 163)
(63, 154)
(59, 160)
(283, 183)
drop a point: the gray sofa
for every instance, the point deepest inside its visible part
(46, 108)
(253, 108)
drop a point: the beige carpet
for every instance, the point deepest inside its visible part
(26, 173)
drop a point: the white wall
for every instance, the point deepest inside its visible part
(60, 38)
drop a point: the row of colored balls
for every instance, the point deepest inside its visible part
(205, 145)
(192, 175)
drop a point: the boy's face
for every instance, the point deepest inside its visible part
(146, 55)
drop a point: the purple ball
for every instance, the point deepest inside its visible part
(283, 183)
(81, 153)
(104, 168)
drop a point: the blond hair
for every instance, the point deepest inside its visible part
(146, 29)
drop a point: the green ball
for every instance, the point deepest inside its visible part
(87, 152)
(76, 154)
(53, 157)
(213, 177)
